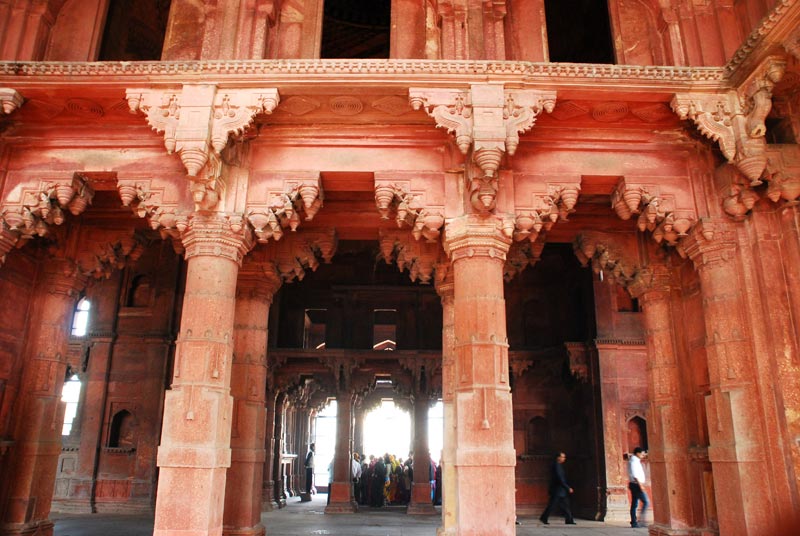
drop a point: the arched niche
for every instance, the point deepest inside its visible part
(122, 432)
(636, 433)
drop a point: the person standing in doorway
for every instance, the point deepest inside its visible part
(559, 491)
(636, 481)
(310, 467)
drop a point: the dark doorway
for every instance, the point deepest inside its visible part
(135, 30)
(356, 29)
(579, 31)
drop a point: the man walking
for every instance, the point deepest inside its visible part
(636, 481)
(310, 467)
(559, 491)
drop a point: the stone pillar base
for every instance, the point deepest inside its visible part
(258, 530)
(341, 508)
(424, 509)
(35, 528)
(305, 497)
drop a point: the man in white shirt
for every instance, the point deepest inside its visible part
(355, 473)
(636, 481)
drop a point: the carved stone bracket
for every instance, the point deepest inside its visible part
(710, 242)
(783, 173)
(735, 119)
(8, 240)
(420, 258)
(486, 118)
(150, 200)
(422, 372)
(302, 251)
(10, 100)
(410, 198)
(342, 369)
(39, 206)
(539, 203)
(105, 250)
(579, 365)
(281, 201)
(667, 213)
(520, 256)
(613, 255)
(197, 121)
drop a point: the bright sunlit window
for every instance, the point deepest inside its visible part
(80, 320)
(70, 395)
(387, 429)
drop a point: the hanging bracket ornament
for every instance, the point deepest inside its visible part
(10, 100)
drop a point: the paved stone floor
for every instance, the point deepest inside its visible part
(300, 519)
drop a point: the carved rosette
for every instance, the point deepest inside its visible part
(44, 205)
(10, 100)
(215, 236)
(656, 213)
(471, 236)
(197, 121)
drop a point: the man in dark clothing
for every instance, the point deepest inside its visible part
(310, 467)
(379, 478)
(559, 491)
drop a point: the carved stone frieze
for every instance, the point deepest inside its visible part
(281, 201)
(10, 100)
(667, 212)
(39, 206)
(486, 118)
(197, 121)
(735, 119)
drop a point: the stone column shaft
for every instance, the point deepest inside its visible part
(485, 456)
(244, 481)
(667, 430)
(733, 408)
(421, 487)
(34, 458)
(195, 454)
(341, 491)
(268, 502)
(449, 480)
(277, 451)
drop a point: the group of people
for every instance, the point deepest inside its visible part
(386, 480)
(560, 490)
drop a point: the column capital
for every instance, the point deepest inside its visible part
(710, 243)
(63, 276)
(258, 279)
(215, 236)
(444, 283)
(475, 236)
(652, 281)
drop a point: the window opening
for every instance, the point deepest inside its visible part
(70, 396)
(80, 320)
(356, 29)
(135, 30)
(578, 31)
(384, 329)
(314, 327)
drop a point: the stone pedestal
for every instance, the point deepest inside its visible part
(421, 487)
(341, 491)
(449, 493)
(484, 455)
(195, 454)
(34, 458)
(256, 286)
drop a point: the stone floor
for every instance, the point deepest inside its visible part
(308, 519)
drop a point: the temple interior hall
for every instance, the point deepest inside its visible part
(510, 229)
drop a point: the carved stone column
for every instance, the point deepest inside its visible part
(358, 430)
(194, 455)
(669, 437)
(34, 457)
(268, 502)
(258, 282)
(444, 287)
(341, 491)
(736, 448)
(484, 451)
(421, 487)
(277, 452)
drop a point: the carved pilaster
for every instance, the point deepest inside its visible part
(735, 119)
(215, 236)
(10, 100)
(197, 121)
(486, 118)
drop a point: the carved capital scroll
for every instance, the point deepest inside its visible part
(197, 121)
(486, 118)
(10, 100)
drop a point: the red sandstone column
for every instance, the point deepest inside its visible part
(255, 288)
(268, 502)
(358, 430)
(342, 488)
(34, 458)
(421, 487)
(277, 451)
(485, 456)
(736, 448)
(194, 455)
(449, 493)
(667, 431)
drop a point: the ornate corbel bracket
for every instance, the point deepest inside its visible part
(197, 121)
(302, 251)
(10, 100)
(540, 204)
(520, 256)
(107, 250)
(420, 258)
(613, 256)
(281, 201)
(414, 199)
(154, 202)
(579, 365)
(667, 214)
